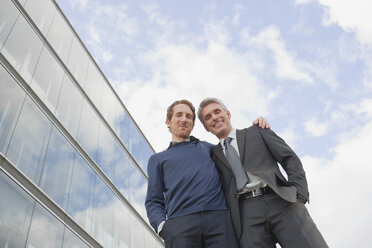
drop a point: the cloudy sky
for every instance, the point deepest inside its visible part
(306, 65)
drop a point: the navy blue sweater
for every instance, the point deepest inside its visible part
(182, 180)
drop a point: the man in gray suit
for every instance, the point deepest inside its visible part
(266, 208)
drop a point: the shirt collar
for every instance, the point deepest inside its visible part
(232, 135)
(190, 138)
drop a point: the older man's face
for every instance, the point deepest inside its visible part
(216, 120)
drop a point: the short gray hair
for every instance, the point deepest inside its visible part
(206, 102)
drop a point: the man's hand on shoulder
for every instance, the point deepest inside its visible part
(261, 122)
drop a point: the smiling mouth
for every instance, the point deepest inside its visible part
(218, 124)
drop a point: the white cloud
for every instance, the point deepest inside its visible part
(162, 21)
(367, 80)
(290, 136)
(349, 49)
(94, 34)
(365, 108)
(303, 2)
(154, 14)
(101, 53)
(114, 20)
(352, 16)
(109, 28)
(353, 114)
(191, 73)
(315, 127)
(325, 72)
(340, 190)
(81, 4)
(236, 19)
(287, 66)
(238, 9)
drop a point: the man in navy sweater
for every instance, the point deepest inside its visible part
(185, 203)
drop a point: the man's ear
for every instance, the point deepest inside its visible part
(167, 122)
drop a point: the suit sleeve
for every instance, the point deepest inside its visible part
(288, 159)
(155, 206)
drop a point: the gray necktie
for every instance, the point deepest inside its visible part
(235, 164)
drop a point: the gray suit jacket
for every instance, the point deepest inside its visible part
(260, 150)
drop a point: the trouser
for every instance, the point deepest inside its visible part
(206, 229)
(268, 219)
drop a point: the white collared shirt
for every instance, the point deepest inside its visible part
(234, 141)
(254, 182)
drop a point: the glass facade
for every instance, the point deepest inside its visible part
(68, 146)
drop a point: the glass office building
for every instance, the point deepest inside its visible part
(72, 160)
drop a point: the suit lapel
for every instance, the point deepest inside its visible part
(217, 150)
(240, 136)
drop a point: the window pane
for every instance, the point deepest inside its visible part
(28, 145)
(88, 130)
(22, 48)
(141, 151)
(151, 240)
(78, 62)
(134, 141)
(14, 220)
(69, 106)
(45, 231)
(56, 176)
(121, 223)
(108, 108)
(124, 130)
(120, 115)
(94, 85)
(136, 233)
(41, 12)
(70, 240)
(106, 151)
(122, 171)
(12, 98)
(47, 79)
(81, 193)
(103, 214)
(138, 188)
(60, 36)
(8, 15)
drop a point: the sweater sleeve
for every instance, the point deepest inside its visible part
(155, 206)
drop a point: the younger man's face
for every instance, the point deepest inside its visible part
(181, 123)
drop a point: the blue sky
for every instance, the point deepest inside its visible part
(303, 64)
